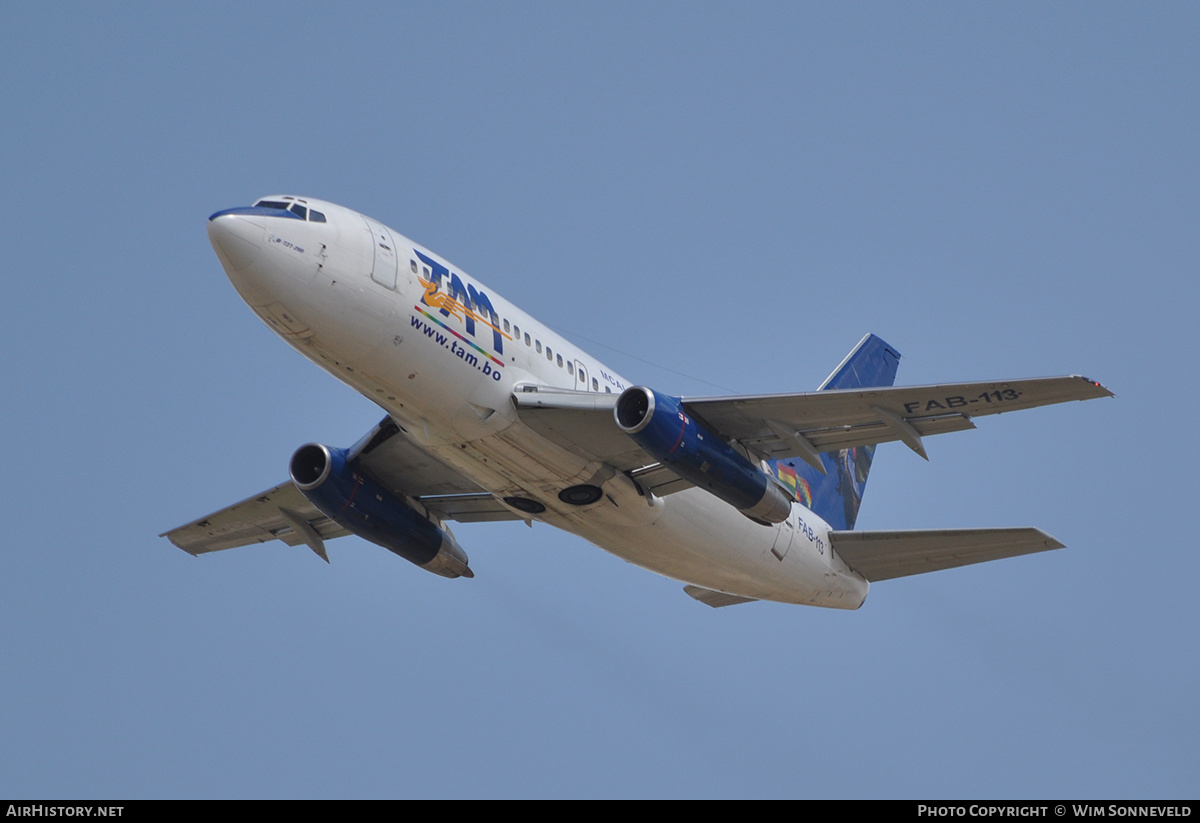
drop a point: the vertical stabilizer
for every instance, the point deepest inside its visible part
(836, 495)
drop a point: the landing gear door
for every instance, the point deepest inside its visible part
(383, 271)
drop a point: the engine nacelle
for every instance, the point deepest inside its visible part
(354, 501)
(660, 426)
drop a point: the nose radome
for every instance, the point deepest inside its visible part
(235, 239)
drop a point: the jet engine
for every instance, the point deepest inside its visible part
(671, 436)
(356, 502)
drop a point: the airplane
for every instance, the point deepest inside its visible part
(491, 415)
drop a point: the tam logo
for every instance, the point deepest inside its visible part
(446, 292)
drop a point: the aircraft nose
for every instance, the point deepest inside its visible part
(235, 238)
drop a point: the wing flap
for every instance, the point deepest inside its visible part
(847, 437)
(659, 479)
(883, 555)
(469, 508)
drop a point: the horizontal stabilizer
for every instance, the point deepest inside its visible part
(882, 555)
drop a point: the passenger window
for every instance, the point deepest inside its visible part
(570, 369)
(526, 338)
(595, 384)
(412, 264)
(506, 326)
(560, 361)
(539, 346)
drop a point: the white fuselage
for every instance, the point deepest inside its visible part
(402, 326)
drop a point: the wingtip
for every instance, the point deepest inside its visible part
(1099, 389)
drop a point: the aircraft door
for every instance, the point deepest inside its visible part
(581, 378)
(383, 271)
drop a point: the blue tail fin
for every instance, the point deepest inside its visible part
(836, 495)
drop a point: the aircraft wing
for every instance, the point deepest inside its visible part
(256, 519)
(785, 425)
(284, 513)
(883, 555)
(799, 425)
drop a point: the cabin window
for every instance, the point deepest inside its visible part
(560, 361)
(412, 264)
(526, 338)
(549, 354)
(570, 369)
(506, 326)
(539, 346)
(595, 384)
(607, 390)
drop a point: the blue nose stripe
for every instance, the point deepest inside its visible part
(260, 210)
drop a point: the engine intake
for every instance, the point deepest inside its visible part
(660, 425)
(358, 503)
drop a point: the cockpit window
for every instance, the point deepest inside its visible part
(311, 215)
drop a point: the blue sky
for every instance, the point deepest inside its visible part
(732, 192)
